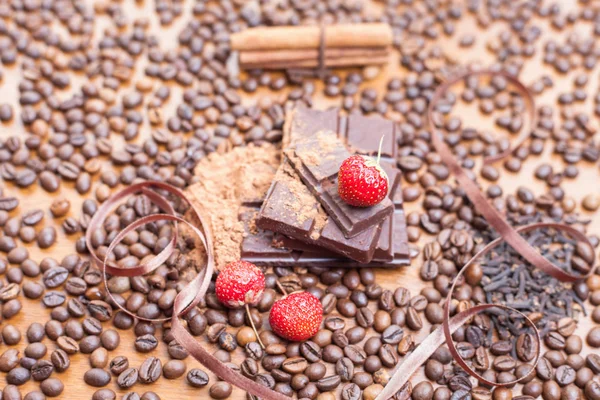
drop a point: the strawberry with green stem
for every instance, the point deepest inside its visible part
(361, 180)
(241, 284)
(297, 316)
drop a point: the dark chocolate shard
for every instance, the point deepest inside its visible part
(363, 135)
(302, 122)
(292, 210)
(317, 159)
(385, 250)
(257, 248)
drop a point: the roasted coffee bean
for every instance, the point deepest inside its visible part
(52, 387)
(592, 390)
(313, 372)
(344, 368)
(55, 277)
(555, 341)
(97, 377)
(197, 378)
(392, 334)
(388, 356)
(127, 378)
(526, 347)
(60, 360)
(544, 369)
(332, 353)
(422, 391)
(310, 351)
(146, 343)
(351, 391)
(328, 383)
(356, 354)
(100, 310)
(67, 344)
(294, 365)
(593, 337)
(504, 363)
(9, 360)
(150, 370)
(401, 297)
(18, 376)
(413, 320)
(220, 390)
(564, 375)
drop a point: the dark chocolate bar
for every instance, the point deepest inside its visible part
(393, 241)
(292, 210)
(317, 159)
(306, 220)
(257, 248)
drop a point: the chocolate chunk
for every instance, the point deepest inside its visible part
(291, 209)
(393, 241)
(317, 160)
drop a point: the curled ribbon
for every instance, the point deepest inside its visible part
(443, 334)
(190, 295)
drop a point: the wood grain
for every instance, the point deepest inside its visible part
(408, 277)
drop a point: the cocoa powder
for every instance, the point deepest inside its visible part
(224, 183)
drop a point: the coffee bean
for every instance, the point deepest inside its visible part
(556, 341)
(18, 376)
(344, 368)
(197, 378)
(592, 390)
(504, 363)
(52, 387)
(118, 364)
(392, 334)
(60, 360)
(544, 369)
(96, 377)
(55, 277)
(145, 343)
(150, 370)
(526, 347)
(104, 394)
(593, 337)
(422, 391)
(9, 360)
(127, 378)
(351, 391)
(413, 320)
(60, 207)
(328, 383)
(310, 351)
(220, 390)
(388, 355)
(294, 365)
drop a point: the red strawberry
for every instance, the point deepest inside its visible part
(362, 182)
(296, 317)
(240, 283)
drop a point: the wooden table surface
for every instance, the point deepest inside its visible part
(35, 197)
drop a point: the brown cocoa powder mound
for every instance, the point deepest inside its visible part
(225, 181)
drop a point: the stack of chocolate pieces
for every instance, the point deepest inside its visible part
(303, 221)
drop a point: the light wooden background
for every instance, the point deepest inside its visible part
(178, 389)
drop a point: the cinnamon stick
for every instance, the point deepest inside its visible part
(329, 63)
(276, 56)
(309, 37)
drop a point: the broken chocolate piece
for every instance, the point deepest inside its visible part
(317, 160)
(292, 210)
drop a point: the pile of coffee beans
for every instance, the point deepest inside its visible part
(112, 93)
